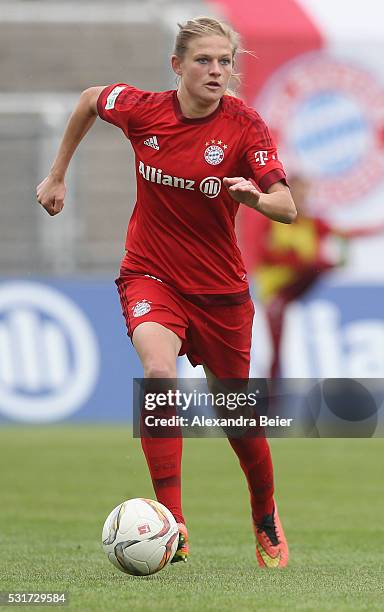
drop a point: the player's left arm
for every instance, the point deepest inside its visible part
(277, 204)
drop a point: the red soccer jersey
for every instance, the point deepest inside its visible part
(182, 229)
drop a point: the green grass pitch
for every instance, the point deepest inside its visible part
(57, 485)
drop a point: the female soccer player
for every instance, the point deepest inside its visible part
(182, 283)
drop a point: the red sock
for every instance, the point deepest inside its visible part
(256, 462)
(163, 457)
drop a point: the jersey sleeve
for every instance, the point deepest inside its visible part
(262, 158)
(116, 104)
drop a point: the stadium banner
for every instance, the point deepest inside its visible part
(317, 82)
(335, 331)
(64, 353)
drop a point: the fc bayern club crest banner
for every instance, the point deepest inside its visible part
(318, 82)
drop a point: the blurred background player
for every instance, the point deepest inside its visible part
(289, 260)
(182, 285)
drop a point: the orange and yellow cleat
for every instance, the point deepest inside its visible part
(182, 551)
(271, 544)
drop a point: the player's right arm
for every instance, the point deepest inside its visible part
(51, 191)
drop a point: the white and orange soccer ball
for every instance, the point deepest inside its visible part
(140, 536)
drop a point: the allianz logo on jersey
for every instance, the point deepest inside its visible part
(210, 186)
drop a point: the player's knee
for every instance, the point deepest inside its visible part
(159, 369)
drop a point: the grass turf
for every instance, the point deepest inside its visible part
(59, 483)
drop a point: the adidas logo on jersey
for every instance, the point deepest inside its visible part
(152, 142)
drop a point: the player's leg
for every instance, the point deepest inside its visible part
(276, 308)
(156, 325)
(226, 352)
(158, 348)
(255, 460)
(275, 313)
(225, 342)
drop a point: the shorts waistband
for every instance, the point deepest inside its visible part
(217, 299)
(199, 299)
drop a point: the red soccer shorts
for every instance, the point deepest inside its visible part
(214, 335)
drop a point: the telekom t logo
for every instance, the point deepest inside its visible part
(261, 157)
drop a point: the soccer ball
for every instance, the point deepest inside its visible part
(140, 536)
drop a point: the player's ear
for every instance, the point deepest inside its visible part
(176, 64)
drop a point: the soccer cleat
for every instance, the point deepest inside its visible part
(182, 551)
(271, 544)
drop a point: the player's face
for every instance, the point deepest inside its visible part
(206, 68)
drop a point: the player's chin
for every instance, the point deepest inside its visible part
(212, 93)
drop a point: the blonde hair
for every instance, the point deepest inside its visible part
(206, 26)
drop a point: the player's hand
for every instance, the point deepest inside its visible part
(50, 194)
(242, 191)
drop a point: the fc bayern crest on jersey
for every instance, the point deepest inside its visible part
(141, 308)
(214, 152)
(327, 117)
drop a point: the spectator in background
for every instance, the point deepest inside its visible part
(290, 259)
